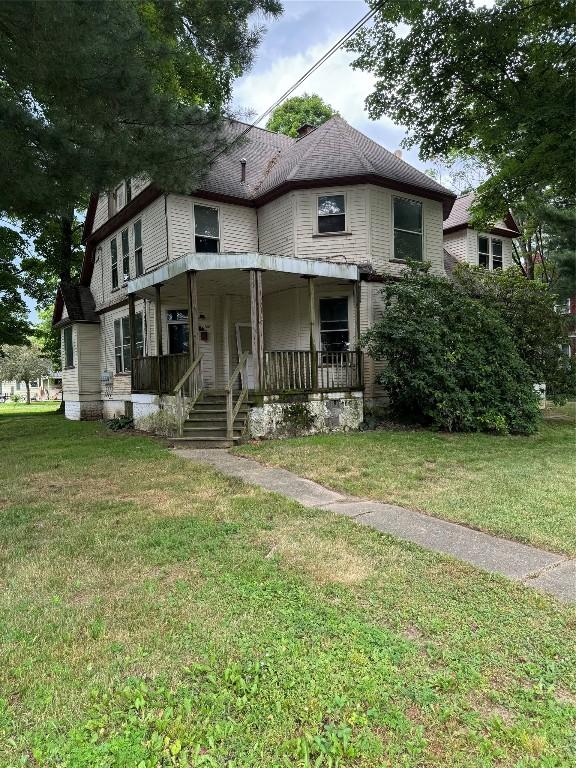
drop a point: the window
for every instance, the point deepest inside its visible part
(18, 386)
(483, 252)
(119, 196)
(122, 341)
(177, 331)
(489, 252)
(206, 229)
(496, 254)
(125, 255)
(139, 264)
(407, 229)
(114, 262)
(331, 214)
(68, 348)
(334, 332)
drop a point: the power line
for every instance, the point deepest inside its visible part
(338, 44)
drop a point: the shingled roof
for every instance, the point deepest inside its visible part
(460, 218)
(79, 303)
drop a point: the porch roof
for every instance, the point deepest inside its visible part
(202, 262)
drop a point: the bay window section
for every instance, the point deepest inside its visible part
(407, 229)
(122, 341)
(331, 214)
(206, 229)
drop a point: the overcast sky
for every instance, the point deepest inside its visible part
(292, 44)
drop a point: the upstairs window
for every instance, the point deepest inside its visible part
(407, 229)
(119, 196)
(334, 331)
(489, 252)
(484, 252)
(138, 260)
(68, 347)
(331, 214)
(125, 255)
(206, 229)
(496, 254)
(114, 262)
(122, 353)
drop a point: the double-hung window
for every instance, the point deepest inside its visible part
(489, 252)
(119, 196)
(138, 260)
(125, 255)
(114, 262)
(122, 353)
(331, 214)
(206, 229)
(68, 347)
(407, 229)
(334, 331)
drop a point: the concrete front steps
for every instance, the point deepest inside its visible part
(206, 424)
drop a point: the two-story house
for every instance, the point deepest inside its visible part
(240, 306)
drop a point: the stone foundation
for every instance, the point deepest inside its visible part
(85, 410)
(279, 416)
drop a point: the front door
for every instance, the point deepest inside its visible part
(244, 344)
(178, 341)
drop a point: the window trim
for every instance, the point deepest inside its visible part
(340, 232)
(397, 259)
(68, 363)
(209, 237)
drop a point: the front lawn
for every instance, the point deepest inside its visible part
(523, 488)
(154, 612)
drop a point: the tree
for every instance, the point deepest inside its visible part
(95, 92)
(493, 82)
(23, 363)
(297, 111)
(13, 314)
(48, 338)
(450, 360)
(528, 309)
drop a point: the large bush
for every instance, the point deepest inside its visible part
(451, 359)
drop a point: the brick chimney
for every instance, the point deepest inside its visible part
(398, 153)
(304, 130)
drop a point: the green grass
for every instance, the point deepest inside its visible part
(155, 613)
(40, 406)
(523, 488)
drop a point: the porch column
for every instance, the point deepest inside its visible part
(257, 318)
(132, 331)
(158, 323)
(360, 355)
(311, 322)
(193, 315)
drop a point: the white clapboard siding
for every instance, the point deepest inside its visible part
(276, 226)
(238, 227)
(70, 383)
(457, 244)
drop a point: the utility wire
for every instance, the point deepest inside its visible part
(337, 45)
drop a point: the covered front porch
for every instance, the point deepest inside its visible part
(247, 325)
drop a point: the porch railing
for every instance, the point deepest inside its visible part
(158, 374)
(231, 408)
(303, 370)
(191, 384)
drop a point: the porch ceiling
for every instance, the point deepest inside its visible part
(224, 268)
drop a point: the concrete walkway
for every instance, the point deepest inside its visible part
(537, 568)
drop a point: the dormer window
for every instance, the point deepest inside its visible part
(331, 214)
(489, 252)
(119, 196)
(206, 229)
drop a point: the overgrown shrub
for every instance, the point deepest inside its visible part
(451, 360)
(163, 423)
(119, 422)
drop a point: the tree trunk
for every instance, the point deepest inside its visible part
(27, 392)
(66, 246)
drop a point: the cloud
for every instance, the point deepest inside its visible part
(335, 81)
